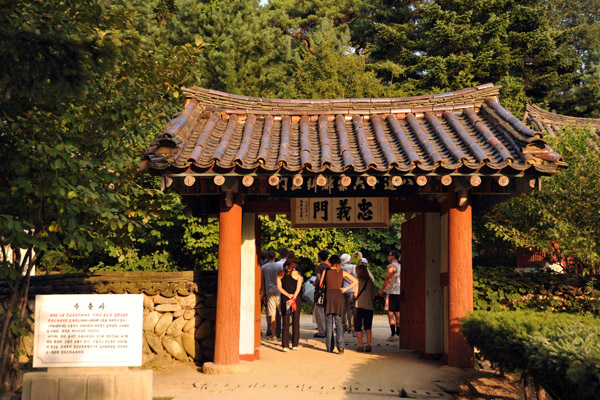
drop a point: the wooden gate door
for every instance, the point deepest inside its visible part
(413, 308)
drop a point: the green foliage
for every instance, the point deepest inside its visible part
(245, 53)
(69, 177)
(560, 352)
(442, 45)
(49, 50)
(548, 216)
(300, 20)
(500, 288)
(374, 244)
(305, 243)
(330, 70)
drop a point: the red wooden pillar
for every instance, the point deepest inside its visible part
(460, 283)
(227, 340)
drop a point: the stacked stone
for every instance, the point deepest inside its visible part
(182, 327)
(179, 309)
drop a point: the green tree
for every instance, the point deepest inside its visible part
(330, 69)
(562, 219)
(447, 45)
(299, 19)
(245, 53)
(70, 142)
(583, 17)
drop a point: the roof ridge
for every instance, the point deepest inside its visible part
(534, 109)
(227, 102)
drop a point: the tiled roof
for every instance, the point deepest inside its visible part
(465, 131)
(543, 120)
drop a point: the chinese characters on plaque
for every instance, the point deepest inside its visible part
(88, 330)
(340, 212)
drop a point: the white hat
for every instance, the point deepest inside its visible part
(345, 258)
(364, 261)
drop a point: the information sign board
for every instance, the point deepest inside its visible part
(75, 330)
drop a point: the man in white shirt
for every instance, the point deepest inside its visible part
(392, 285)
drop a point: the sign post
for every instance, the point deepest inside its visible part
(88, 330)
(87, 343)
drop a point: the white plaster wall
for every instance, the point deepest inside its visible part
(434, 304)
(247, 285)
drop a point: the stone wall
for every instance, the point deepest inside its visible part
(179, 308)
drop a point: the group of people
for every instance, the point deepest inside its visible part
(348, 288)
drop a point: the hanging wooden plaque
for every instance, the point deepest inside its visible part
(340, 212)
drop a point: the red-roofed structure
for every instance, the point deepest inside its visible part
(439, 155)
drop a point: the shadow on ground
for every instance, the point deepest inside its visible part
(310, 371)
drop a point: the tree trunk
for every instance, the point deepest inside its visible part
(15, 319)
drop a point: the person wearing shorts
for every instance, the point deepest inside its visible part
(363, 296)
(392, 286)
(270, 293)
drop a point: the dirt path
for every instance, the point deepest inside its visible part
(310, 371)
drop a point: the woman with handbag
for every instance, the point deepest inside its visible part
(334, 302)
(363, 317)
(289, 283)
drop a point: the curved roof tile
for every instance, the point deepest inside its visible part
(542, 120)
(465, 130)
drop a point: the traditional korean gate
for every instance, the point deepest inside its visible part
(436, 155)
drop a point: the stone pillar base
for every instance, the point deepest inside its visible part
(97, 383)
(210, 368)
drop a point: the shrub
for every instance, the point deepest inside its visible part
(559, 352)
(500, 288)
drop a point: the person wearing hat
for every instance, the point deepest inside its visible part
(349, 295)
(363, 316)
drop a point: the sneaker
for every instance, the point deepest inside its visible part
(286, 349)
(341, 350)
(295, 348)
(360, 349)
(392, 338)
(368, 348)
(272, 339)
(319, 335)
